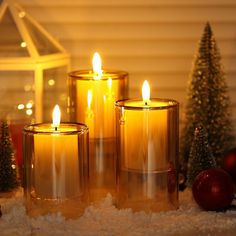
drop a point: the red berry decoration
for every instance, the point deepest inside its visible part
(229, 163)
(213, 189)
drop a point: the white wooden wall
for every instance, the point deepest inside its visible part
(151, 39)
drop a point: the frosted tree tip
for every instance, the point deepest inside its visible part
(207, 28)
(208, 24)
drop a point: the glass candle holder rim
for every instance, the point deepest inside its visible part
(88, 74)
(81, 130)
(170, 103)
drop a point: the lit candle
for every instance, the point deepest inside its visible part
(147, 147)
(106, 87)
(97, 66)
(55, 167)
(98, 112)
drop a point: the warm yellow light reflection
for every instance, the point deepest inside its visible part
(29, 112)
(23, 44)
(122, 120)
(97, 66)
(21, 14)
(21, 106)
(146, 92)
(51, 82)
(56, 117)
(109, 82)
(89, 98)
(29, 105)
(27, 87)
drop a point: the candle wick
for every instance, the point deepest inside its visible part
(55, 128)
(145, 103)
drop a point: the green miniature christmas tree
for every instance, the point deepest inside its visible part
(200, 157)
(208, 103)
(8, 176)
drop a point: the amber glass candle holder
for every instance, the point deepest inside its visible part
(147, 155)
(92, 101)
(56, 169)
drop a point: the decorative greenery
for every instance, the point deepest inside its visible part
(200, 157)
(8, 176)
(207, 103)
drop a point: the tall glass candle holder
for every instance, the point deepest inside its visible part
(56, 169)
(147, 154)
(92, 101)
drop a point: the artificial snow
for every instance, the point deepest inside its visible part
(105, 219)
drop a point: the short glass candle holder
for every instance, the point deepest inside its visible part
(92, 101)
(56, 169)
(147, 155)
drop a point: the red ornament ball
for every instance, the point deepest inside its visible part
(229, 163)
(213, 189)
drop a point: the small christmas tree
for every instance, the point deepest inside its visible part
(200, 157)
(8, 176)
(208, 102)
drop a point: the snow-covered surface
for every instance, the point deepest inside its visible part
(105, 219)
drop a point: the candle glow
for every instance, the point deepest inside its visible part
(89, 99)
(146, 92)
(97, 66)
(56, 117)
(109, 83)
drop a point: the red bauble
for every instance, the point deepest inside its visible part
(213, 189)
(229, 163)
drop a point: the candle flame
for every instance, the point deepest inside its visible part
(97, 66)
(89, 98)
(56, 116)
(146, 92)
